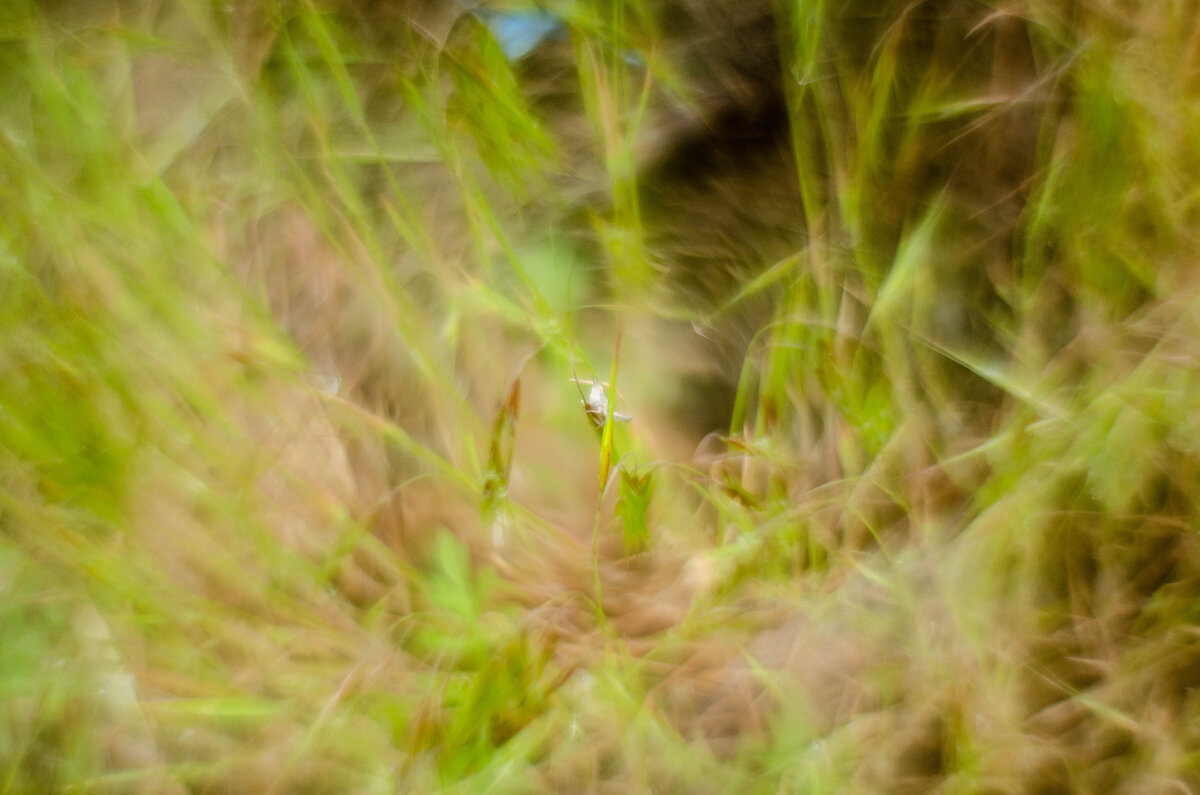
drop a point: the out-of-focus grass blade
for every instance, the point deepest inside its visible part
(452, 587)
(782, 269)
(495, 484)
(231, 707)
(899, 289)
(996, 376)
(633, 500)
(606, 440)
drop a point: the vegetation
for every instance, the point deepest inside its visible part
(299, 302)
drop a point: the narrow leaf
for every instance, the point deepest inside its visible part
(606, 441)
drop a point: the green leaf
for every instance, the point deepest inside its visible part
(633, 499)
(451, 587)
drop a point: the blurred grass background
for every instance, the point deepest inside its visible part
(297, 490)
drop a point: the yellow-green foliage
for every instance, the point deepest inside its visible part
(297, 493)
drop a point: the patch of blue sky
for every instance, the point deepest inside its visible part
(519, 32)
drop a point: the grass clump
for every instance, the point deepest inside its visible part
(299, 303)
